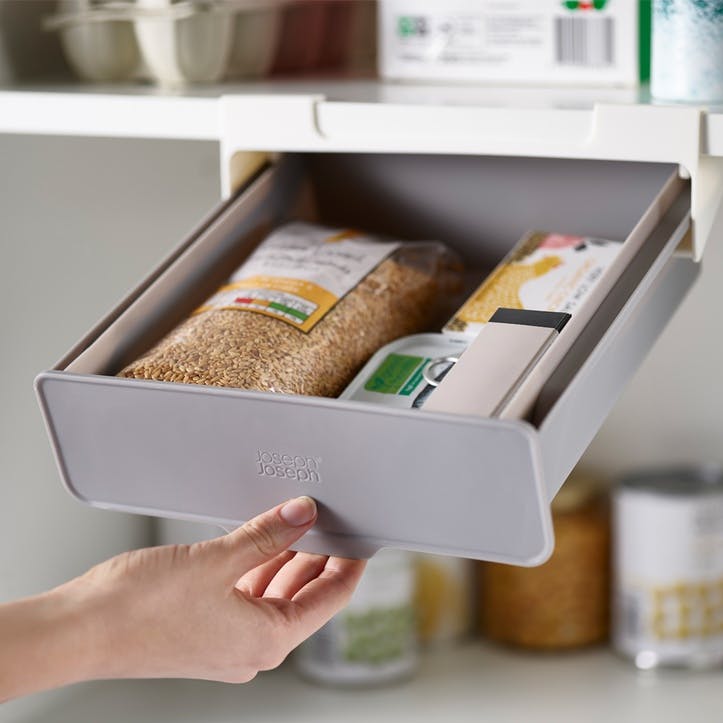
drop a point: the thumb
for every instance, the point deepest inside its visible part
(270, 533)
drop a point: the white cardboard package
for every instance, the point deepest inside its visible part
(575, 42)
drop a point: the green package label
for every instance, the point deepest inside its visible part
(397, 374)
(414, 381)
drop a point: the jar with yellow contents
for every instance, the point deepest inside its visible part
(563, 603)
(444, 598)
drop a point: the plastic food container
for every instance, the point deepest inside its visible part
(172, 43)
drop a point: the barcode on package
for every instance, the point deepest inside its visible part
(586, 42)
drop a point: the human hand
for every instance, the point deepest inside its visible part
(222, 609)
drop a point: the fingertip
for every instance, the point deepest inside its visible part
(348, 569)
(268, 534)
(299, 511)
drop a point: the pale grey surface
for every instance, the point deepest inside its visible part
(79, 222)
(482, 205)
(473, 683)
(386, 478)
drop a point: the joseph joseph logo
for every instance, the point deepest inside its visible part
(287, 466)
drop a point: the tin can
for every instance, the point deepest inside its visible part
(668, 568)
(373, 641)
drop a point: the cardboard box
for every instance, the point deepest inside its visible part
(532, 42)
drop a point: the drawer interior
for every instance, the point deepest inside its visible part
(480, 206)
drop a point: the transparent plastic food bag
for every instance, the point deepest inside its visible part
(306, 311)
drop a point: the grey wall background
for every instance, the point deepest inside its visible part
(80, 222)
(672, 411)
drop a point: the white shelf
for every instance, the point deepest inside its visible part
(471, 683)
(136, 111)
(373, 116)
(110, 112)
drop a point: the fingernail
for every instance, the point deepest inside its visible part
(298, 512)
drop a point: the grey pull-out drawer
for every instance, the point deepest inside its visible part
(461, 485)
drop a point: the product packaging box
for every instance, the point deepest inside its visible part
(527, 42)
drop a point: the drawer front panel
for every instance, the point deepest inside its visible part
(426, 482)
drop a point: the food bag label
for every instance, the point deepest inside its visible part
(544, 272)
(300, 272)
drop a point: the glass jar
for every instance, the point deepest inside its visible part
(564, 603)
(373, 641)
(687, 51)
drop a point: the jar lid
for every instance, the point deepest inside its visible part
(682, 481)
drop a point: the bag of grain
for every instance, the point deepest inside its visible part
(305, 312)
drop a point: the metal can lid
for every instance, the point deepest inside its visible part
(685, 481)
